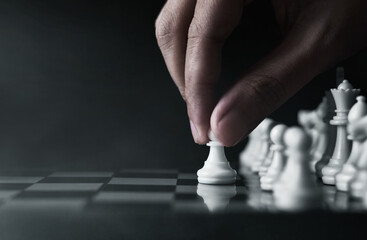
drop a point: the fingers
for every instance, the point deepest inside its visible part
(212, 23)
(267, 85)
(172, 25)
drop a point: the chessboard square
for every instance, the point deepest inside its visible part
(14, 186)
(65, 187)
(75, 180)
(137, 188)
(19, 179)
(187, 176)
(147, 173)
(143, 181)
(193, 182)
(186, 189)
(147, 170)
(39, 204)
(54, 195)
(82, 174)
(25, 173)
(187, 197)
(6, 194)
(133, 197)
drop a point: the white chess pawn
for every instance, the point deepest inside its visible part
(278, 160)
(216, 169)
(296, 183)
(216, 198)
(348, 171)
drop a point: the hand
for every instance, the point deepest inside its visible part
(190, 34)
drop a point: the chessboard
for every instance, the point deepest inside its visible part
(161, 204)
(146, 190)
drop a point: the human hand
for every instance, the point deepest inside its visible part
(191, 33)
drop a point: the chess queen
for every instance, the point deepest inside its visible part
(344, 97)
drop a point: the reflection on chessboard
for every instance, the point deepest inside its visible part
(139, 190)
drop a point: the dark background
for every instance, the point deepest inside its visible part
(83, 85)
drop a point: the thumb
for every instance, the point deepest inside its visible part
(268, 84)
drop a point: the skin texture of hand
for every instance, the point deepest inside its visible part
(190, 33)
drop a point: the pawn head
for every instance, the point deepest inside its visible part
(277, 134)
(296, 138)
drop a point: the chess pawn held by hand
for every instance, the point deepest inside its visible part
(344, 98)
(296, 187)
(278, 159)
(358, 111)
(216, 169)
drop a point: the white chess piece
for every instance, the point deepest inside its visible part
(322, 129)
(296, 184)
(278, 160)
(344, 98)
(251, 150)
(216, 169)
(264, 128)
(331, 136)
(216, 198)
(358, 185)
(348, 171)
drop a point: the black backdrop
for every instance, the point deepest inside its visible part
(83, 85)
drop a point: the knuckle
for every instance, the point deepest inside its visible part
(199, 30)
(196, 29)
(165, 29)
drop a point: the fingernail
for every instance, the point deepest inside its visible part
(194, 131)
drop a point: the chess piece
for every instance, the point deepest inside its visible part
(264, 128)
(278, 159)
(348, 171)
(215, 197)
(251, 150)
(296, 188)
(322, 129)
(331, 135)
(216, 169)
(266, 162)
(358, 185)
(344, 98)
